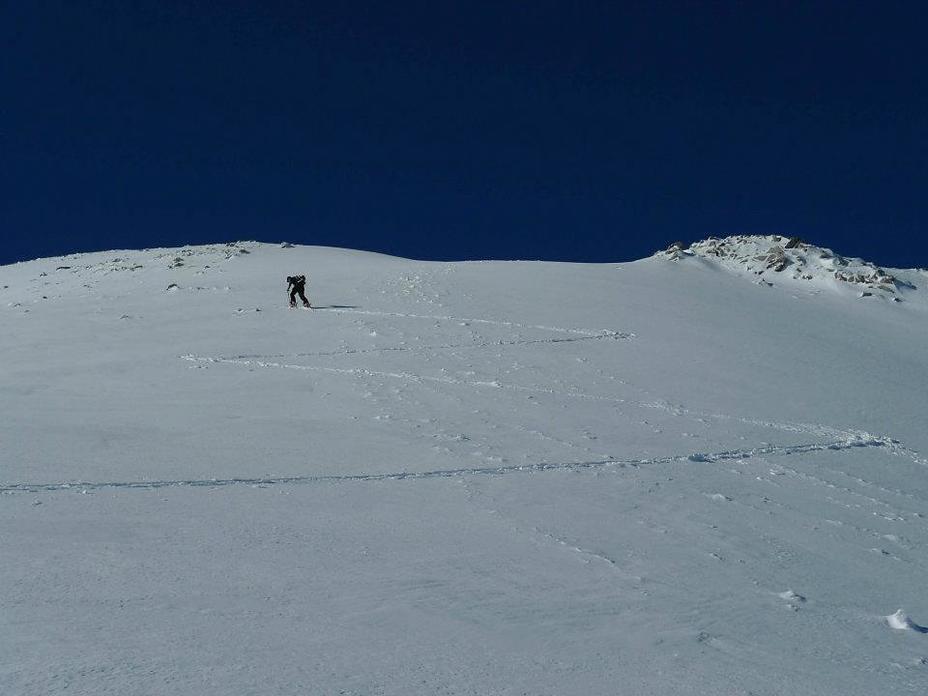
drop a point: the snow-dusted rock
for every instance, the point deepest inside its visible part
(795, 260)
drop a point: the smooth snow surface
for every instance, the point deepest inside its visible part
(459, 478)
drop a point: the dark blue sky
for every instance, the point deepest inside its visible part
(587, 131)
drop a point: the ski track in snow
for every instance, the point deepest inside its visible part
(574, 335)
(591, 333)
(693, 458)
(444, 346)
(405, 376)
(840, 439)
(820, 430)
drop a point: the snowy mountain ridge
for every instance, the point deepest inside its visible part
(775, 259)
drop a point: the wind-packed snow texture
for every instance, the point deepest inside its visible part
(662, 477)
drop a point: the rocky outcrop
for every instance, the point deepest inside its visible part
(775, 257)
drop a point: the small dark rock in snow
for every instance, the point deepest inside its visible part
(792, 596)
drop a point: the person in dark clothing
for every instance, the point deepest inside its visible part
(296, 285)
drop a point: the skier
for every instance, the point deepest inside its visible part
(296, 286)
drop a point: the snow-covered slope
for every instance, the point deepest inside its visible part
(468, 478)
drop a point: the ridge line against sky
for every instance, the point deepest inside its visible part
(221, 243)
(597, 131)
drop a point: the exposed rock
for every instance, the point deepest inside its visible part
(677, 250)
(759, 255)
(774, 259)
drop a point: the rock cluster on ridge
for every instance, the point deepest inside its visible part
(774, 256)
